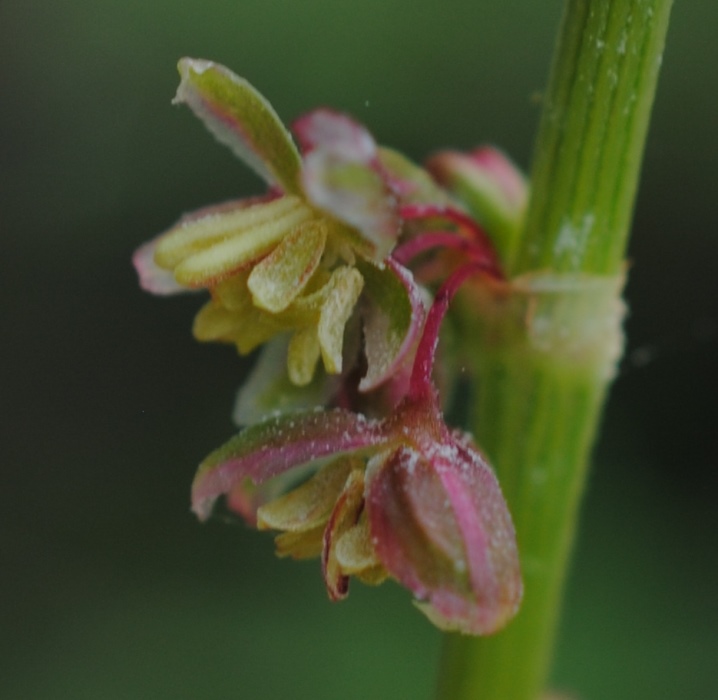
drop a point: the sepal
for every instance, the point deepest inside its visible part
(393, 317)
(152, 277)
(441, 527)
(269, 390)
(275, 446)
(241, 118)
(342, 176)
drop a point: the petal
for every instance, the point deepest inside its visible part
(440, 526)
(242, 119)
(153, 278)
(346, 285)
(343, 518)
(269, 391)
(503, 173)
(275, 446)
(331, 131)
(309, 505)
(355, 193)
(393, 318)
(282, 275)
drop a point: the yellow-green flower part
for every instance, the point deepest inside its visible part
(283, 263)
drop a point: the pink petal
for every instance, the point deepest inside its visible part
(153, 278)
(355, 193)
(411, 183)
(342, 176)
(492, 188)
(441, 527)
(503, 172)
(245, 498)
(485, 169)
(275, 446)
(332, 131)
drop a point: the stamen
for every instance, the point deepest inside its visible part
(196, 234)
(231, 253)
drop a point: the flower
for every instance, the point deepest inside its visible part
(298, 259)
(374, 482)
(402, 496)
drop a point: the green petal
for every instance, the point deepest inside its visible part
(242, 119)
(282, 275)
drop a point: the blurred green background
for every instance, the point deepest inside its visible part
(110, 588)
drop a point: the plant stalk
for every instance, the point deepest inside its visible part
(547, 349)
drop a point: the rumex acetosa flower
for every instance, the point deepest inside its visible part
(297, 260)
(316, 270)
(402, 497)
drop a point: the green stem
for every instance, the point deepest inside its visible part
(592, 135)
(548, 349)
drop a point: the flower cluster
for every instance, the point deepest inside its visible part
(337, 262)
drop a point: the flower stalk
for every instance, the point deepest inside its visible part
(546, 351)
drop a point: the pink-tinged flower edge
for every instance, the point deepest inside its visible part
(268, 449)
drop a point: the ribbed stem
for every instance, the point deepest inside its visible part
(544, 355)
(592, 134)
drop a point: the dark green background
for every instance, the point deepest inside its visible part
(110, 589)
